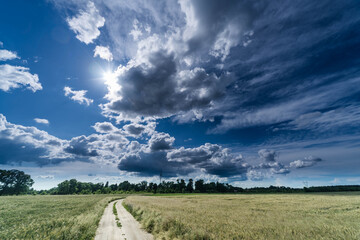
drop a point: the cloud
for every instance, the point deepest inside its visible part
(160, 65)
(42, 121)
(151, 158)
(136, 32)
(86, 23)
(211, 159)
(103, 52)
(79, 146)
(7, 55)
(225, 24)
(104, 127)
(299, 108)
(268, 166)
(16, 77)
(134, 129)
(78, 96)
(104, 148)
(28, 144)
(46, 176)
(326, 121)
(153, 164)
(267, 155)
(163, 89)
(1, 44)
(161, 141)
(255, 175)
(306, 162)
(245, 54)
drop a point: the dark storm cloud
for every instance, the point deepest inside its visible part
(153, 164)
(158, 88)
(209, 158)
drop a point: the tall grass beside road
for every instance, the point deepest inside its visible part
(249, 216)
(52, 217)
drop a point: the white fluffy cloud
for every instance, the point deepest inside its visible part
(42, 121)
(16, 77)
(86, 24)
(7, 55)
(306, 162)
(78, 96)
(161, 141)
(103, 52)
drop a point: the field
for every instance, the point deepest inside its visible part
(51, 217)
(249, 216)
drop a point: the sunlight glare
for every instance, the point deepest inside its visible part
(109, 76)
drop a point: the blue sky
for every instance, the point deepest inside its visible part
(252, 93)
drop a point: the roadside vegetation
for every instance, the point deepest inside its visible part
(118, 223)
(249, 216)
(52, 217)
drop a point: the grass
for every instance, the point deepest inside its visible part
(52, 217)
(249, 216)
(118, 223)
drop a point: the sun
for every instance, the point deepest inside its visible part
(109, 76)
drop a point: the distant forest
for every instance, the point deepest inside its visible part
(15, 182)
(180, 186)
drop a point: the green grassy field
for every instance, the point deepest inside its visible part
(249, 216)
(51, 217)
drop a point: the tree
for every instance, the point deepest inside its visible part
(14, 182)
(189, 186)
(73, 186)
(64, 187)
(199, 186)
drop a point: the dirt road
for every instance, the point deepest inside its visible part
(130, 229)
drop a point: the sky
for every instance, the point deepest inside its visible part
(253, 93)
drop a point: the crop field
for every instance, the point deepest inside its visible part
(249, 216)
(51, 217)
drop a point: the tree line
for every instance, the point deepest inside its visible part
(15, 182)
(73, 186)
(180, 186)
